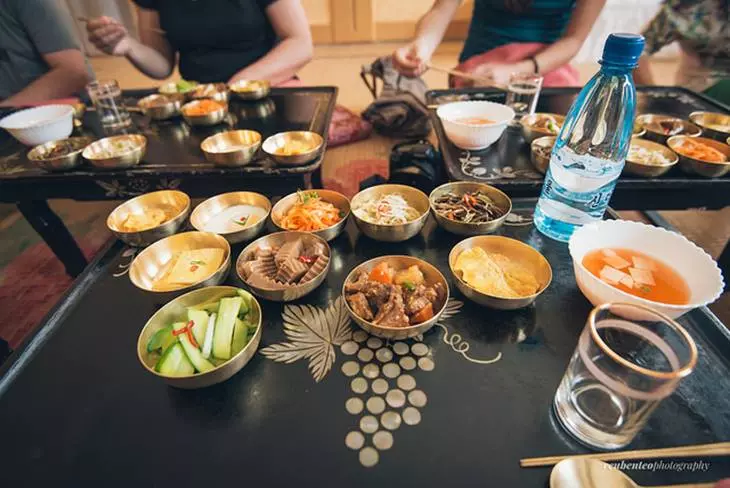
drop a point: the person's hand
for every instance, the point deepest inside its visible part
(109, 35)
(496, 73)
(409, 60)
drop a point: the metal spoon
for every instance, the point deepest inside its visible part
(591, 473)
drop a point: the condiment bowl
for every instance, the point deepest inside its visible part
(214, 91)
(161, 107)
(335, 198)
(211, 118)
(172, 89)
(396, 232)
(310, 146)
(637, 168)
(474, 136)
(176, 201)
(706, 119)
(469, 229)
(97, 152)
(250, 89)
(652, 133)
(432, 275)
(693, 264)
(208, 209)
(697, 166)
(154, 260)
(231, 148)
(38, 125)
(530, 132)
(290, 293)
(176, 308)
(516, 251)
(41, 155)
(538, 149)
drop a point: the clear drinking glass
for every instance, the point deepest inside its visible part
(628, 359)
(523, 90)
(107, 98)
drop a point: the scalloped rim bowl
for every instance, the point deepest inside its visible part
(699, 270)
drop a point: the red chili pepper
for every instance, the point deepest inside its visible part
(183, 330)
(194, 267)
(192, 337)
(307, 259)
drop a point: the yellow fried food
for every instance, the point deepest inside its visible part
(495, 274)
(139, 222)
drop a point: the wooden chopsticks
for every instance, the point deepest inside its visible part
(715, 449)
(151, 29)
(466, 76)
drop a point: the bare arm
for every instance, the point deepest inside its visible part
(67, 75)
(293, 51)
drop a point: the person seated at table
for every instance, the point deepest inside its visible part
(217, 41)
(40, 59)
(507, 36)
(702, 28)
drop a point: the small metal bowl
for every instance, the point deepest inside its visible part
(176, 201)
(215, 91)
(161, 107)
(311, 143)
(171, 89)
(703, 119)
(513, 249)
(466, 229)
(530, 132)
(432, 275)
(539, 160)
(699, 167)
(152, 261)
(645, 120)
(392, 233)
(39, 154)
(211, 118)
(337, 199)
(637, 168)
(177, 309)
(250, 89)
(231, 148)
(277, 239)
(217, 204)
(94, 152)
(638, 131)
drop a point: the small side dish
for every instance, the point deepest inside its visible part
(115, 149)
(471, 207)
(149, 218)
(310, 213)
(643, 155)
(390, 209)
(700, 151)
(188, 267)
(234, 218)
(496, 274)
(202, 107)
(547, 123)
(179, 86)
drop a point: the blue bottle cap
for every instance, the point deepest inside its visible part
(623, 49)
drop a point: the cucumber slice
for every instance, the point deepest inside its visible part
(161, 340)
(193, 353)
(174, 362)
(224, 324)
(200, 321)
(240, 336)
(208, 342)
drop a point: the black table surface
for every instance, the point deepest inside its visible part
(506, 164)
(173, 158)
(77, 409)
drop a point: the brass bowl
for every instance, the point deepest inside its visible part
(177, 201)
(697, 166)
(39, 154)
(638, 131)
(530, 132)
(211, 118)
(637, 168)
(392, 233)
(153, 260)
(688, 128)
(231, 148)
(277, 239)
(161, 107)
(214, 91)
(466, 229)
(703, 119)
(79, 110)
(94, 152)
(540, 161)
(217, 204)
(250, 89)
(311, 142)
(513, 249)
(432, 275)
(177, 308)
(171, 89)
(337, 199)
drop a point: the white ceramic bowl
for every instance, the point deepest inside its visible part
(474, 136)
(692, 263)
(38, 125)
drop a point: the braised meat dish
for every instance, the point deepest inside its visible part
(277, 268)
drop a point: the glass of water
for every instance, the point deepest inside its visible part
(523, 91)
(107, 99)
(628, 359)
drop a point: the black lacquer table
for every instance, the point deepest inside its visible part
(77, 409)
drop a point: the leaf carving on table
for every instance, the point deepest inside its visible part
(312, 333)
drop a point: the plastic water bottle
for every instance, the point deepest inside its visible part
(591, 148)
